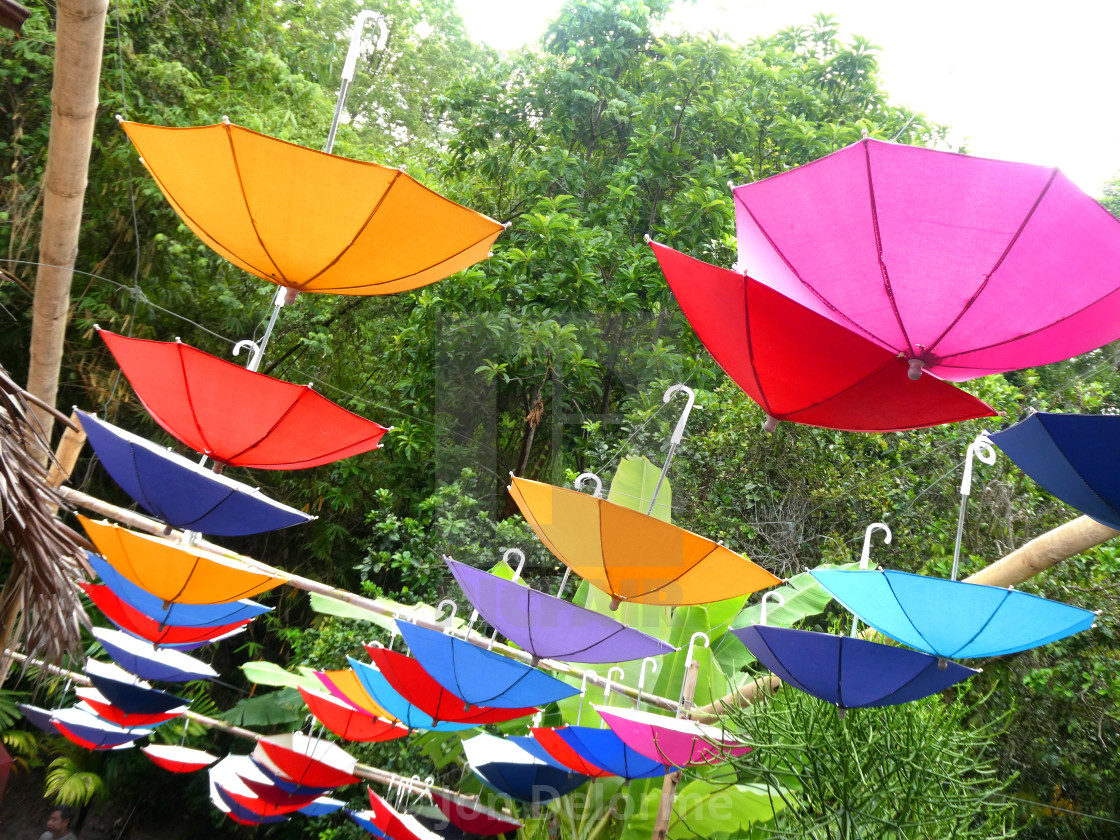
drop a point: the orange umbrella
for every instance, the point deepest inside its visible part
(307, 220)
(632, 556)
(177, 573)
(345, 686)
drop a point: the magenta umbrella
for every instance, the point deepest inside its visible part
(965, 266)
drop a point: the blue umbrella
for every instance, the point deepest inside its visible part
(952, 619)
(364, 819)
(505, 766)
(176, 615)
(389, 699)
(179, 491)
(602, 749)
(1072, 457)
(479, 676)
(149, 662)
(38, 717)
(128, 694)
(321, 807)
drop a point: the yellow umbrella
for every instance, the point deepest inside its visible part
(345, 686)
(175, 572)
(632, 556)
(307, 220)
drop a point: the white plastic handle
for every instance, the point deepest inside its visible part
(777, 596)
(982, 450)
(865, 556)
(583, 478)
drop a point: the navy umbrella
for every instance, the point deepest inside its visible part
(601, 751)
(1072, 457)
(504, 765)
(129, 694)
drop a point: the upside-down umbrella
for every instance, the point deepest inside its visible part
(173, 615)
(507, 767)
(597, 753)
(321, 807)
(178, 759)
(408, 677)
(631, 556)
(347, 722)
(175, 572)
(388, 698)
(312, 762)
(672, 741)
(89, 731)
(129, 694)
(266, 798)
(306, 220)
(99, 704)
(393, 824)
(224, 778)
(180, 492)
(800, 366)
(961, 264)
(549, 627)
(38, 717)
(474, 818)
(237, 416)
(151, 663)
(132, 621)
(345, 686)
(481, 677)
(1072, 457)
(952, 619)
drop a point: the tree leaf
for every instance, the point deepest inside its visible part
(269, 673)
(633, 485)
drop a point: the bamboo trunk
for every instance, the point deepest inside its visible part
(77, 71)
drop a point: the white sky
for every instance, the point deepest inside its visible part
(1029, 80)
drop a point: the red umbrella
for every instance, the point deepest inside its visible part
(474, 819)
(238, 416)
(347, 722)
(395, 824)
(131, 620)
(178, 759)
(310, 762)
(411, 681)
(114, 714)
(800, 366)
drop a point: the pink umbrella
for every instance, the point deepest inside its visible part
(680, 743)
(965, 266)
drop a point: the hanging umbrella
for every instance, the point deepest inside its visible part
(173, 615)
(307, 761)
(268, 799)
(224, 778)
(151, 663)
(952, 619)
(366, 820)
(321, 807)
(597, 753)
(474, 818)
(393, 824)
(548, 627)
(961, 264)
(345, 686)
(99, 704)
(838, 378)
(672, 741)
(310, 221)
(135, 623)
(385, 696)
(127, 693)
(177, 759)
(38, 717)
(236, 416)
(173, 571)
(347, 722)
(481, 677)
(506, 767)
(89, 731)
(1072, 457)
(411, 681)
(180, 492)
(269, 772)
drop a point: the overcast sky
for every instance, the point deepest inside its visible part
(1027, 81)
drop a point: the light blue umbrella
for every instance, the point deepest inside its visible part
(389, 699)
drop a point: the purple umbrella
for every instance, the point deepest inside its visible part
(548, 627)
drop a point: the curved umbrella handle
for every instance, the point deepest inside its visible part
(777, 596)
(983, 450)
(607, 688)
(699, 634)
(649, 660)
(865, 555)
(583, 478)
(678, 435)
(453, 609)
(510, 552)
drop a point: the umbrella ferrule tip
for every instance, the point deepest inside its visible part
(915, 371)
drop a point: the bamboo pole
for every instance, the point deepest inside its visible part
(672, 780)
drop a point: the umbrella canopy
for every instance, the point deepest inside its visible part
(267, 798)
(347, 722)
(366, 820)
(130, 695)
(135, 623)
(311, 762)
(1072, 457)
(237, 416)
(474, 818)
(481, 677)
(631, 556)
(672, 741)
(345, 686)
(408, 677)
(321, 807)
(174, 572)
(151, 663)
(549, 627)
(176, 759)
(99, 704)
(38, 717)
(180, 492)
(173, 615)
(838, 379)
(952, 619)
(307, 220)
(395, 704)
(597, 753)
(508, 768)
(393, 824)
(89, 731)
(849, 672)
(959, 263)
(224, 778)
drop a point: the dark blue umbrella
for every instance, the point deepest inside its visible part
(149, 662)
(38, 717)
(321, 807)
(952, 619)
(179, 491)
(479, 676)
(391, 700)
(1072, 457)
(176, 615)
(848, 672)
(505, 766)
(602, 749)
(130, 695)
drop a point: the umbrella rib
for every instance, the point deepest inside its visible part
(921, 635)
(839, 676)
(245, 200)
(879, 250)
(202, 516)
(1092, 491)
(144, 500)
(999, 262)
(984, 626)
(603, 554)
(275, 425)
(209, 450)
(764, 400)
